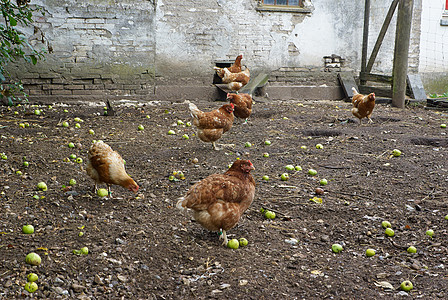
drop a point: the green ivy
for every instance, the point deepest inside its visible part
(14, 46)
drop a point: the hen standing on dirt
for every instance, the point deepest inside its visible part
(211, 125)
(242, 103)
(219, 200)
(106, 166)
(363, 105)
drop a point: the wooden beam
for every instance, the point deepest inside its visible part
(401, 53)
(380, 38)
(365, 38)
(375, 78)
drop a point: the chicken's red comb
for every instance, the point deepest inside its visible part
(231, 104)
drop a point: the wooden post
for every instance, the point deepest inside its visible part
(401, 53)
(365, 40)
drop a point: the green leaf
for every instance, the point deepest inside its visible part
(12, 21)
(33, 59)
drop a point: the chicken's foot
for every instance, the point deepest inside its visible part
(223, 235)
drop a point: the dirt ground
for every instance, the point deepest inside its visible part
(142, 247)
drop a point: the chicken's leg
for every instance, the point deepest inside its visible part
(223, 236)
(109, 192)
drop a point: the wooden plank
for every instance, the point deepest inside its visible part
(365, 38)
(416, 87)
(259, 81)
(375, 77)
(347, 81)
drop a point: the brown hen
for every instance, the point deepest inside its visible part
(363, 105)
(242, 103)
(106, 166)
(219, 200)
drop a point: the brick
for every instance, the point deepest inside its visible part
(61, 92)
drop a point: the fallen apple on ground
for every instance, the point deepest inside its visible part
(102, 192)
(31, 287)
(430, 232)
(28, 229)
(269, 214)
(406, 286)
(312, 172)
(289, 167)
(33, 259)
(42, 186)
(243, 242)
(386, 224)
(370, 252)
(323, 181)
(233, 244)
(412, 249)
(336, 248)
(396, 152)
(32, 277)
(389, 232)
(284, 177)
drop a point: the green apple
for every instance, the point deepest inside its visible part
(171, 132)
(72, 182)
(22, 125)
(65, 110)
(312, 172)
(32, 277)
(298, 168)
(28, 229)
(233, 244)
(16, 112)
(265, 154)
(243, 242)
(148, 117)
(443, 125)
(31, 287)
(265, 177)
(77, 125)
(27, 124)
(84, 251)
(446, 217)
(37, 112)
(267, 142)
(26, 164)
(336, 248)
(42, 186)
(77, 119)
(4, 156)
(289, 167)
(36, 197)
(284, 177)
(386, 224)
(396, 152)
(370, 252)
(303, 147)
(171, 178)
(406, 286)
(389, 232)
(65, 124)
(188, 124)
(19, 172)
(430, 232)
(72, 156)
(412, 249)
(180, 122)
(102, 192)
(91, 131)
(79, 160)
(323, 181)
(319, 146)
(247, 144)
(71, 145)
(33, 259)
(185, 136)
(140, 127)
(269, 214)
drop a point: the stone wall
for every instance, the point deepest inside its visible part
(165, 49)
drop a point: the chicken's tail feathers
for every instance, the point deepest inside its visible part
(193, 109)
(180, 203)
(354, 91)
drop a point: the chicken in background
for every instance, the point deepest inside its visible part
(242, 103)
(211, 125)
(106, 166)
(236, 81)
(363, 105)
(235, 68)
(219, 200)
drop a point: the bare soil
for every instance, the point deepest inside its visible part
(142, 247)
